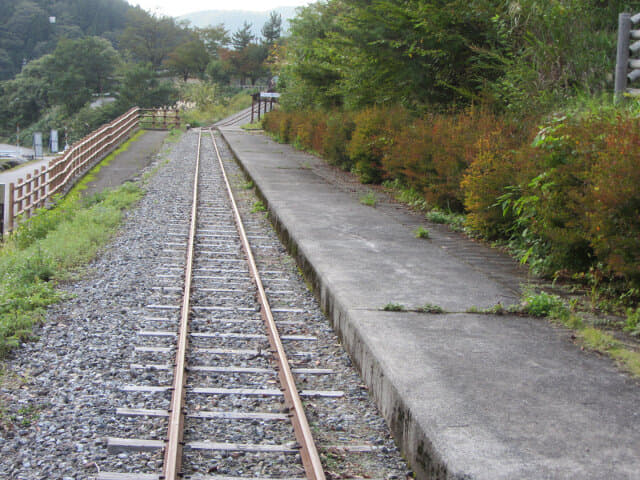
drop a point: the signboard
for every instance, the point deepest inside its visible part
(53, 141)
(37, 143)
(269, 95)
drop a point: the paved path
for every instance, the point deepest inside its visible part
(467, 396)
(123, 167)
(128, 164)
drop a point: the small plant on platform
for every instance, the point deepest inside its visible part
(422, 232)
(544, 305)
(394, 307)
(430, 308)
(368, 199)
(454, 220)
(632, 324)
(255, 126)
(258, 207)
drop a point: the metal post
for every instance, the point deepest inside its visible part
(259, 105)
(622, 58)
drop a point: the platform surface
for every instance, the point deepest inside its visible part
(468, 396)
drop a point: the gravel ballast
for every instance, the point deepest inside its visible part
(59, 394)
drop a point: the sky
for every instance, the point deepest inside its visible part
(176, 8)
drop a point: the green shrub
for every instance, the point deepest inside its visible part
(340, 128)
(544, 305)
(374, 134)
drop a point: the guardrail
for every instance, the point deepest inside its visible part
(39, 187)
(627, 69)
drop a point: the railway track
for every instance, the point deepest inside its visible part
(213, 394)
(242, 117)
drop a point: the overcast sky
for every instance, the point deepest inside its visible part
(175, 8)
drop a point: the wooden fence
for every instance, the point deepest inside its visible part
(38, 188)
(159, 119)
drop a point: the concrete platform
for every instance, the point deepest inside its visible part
(467, 396)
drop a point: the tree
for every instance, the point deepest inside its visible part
(141, 87)
(79, 68)
(250, 62)
(214, 38)
(25, 97)
(220, 70)
(272, 28)
(22, 31)
(242, 37)
(188, 59)
(151, 39)
(311, 69)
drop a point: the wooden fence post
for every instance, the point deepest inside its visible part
(12, 196)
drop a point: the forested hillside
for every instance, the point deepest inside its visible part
(28, 31)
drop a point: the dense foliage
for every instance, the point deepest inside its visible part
(501, 110)
(426, 54)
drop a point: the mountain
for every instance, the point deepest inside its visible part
(233, 19)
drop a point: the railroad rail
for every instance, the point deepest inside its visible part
(216, 240)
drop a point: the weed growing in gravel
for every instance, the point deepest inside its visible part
(258, 207)
(368, 199)
(394, 307)
(248, 185)
(422, 232)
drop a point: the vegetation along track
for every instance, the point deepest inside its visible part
(215, 396)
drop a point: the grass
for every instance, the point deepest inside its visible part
(212, 112)
(426, 308)
(455, 221)
(368, 199)
(258, 206)
(50, 247)
(255, 126)
(394, 307)
(599, 341)
(422, 232)
(632, 324)
(430, 308)
(553, 307)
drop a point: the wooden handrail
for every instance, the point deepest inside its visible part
(62, 172)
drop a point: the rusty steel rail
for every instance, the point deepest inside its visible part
(308, 451)
(173, 448)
